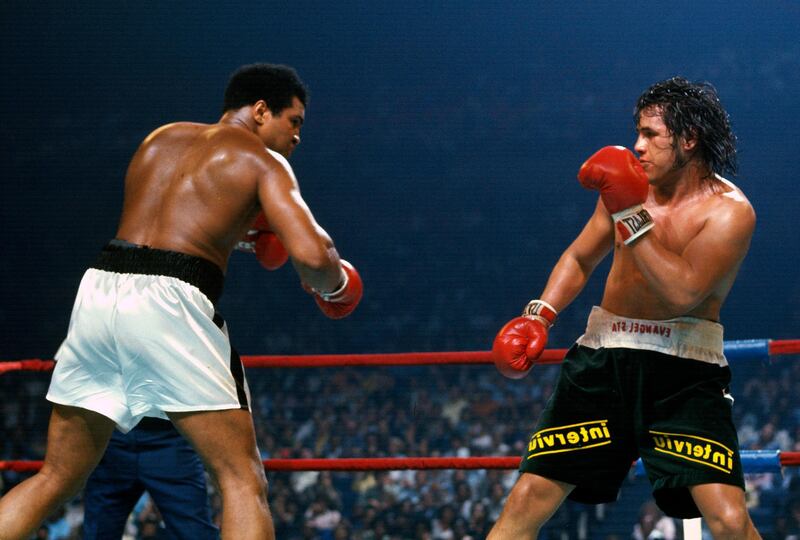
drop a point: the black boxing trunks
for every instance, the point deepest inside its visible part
(634, 388)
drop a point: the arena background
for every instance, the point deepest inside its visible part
(440, 150)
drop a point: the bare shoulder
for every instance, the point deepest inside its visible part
(734, 198)
(280, 161)
(731, 206)
(175, 129)
(246, 145)
(218, 136)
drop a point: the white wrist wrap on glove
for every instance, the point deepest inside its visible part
(542, 311)
(632, 223)
(333, 296)
(246, 244)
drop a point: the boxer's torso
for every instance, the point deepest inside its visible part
(677, 223)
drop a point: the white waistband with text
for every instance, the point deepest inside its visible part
(684, 337)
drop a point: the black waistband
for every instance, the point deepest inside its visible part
(126, 258)
(152, 423)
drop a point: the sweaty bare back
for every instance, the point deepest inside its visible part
(192, 188)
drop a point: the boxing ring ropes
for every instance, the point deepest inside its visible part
(753, 461)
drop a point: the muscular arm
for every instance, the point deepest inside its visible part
(683, 280)
(309, 246)
(579, 260)
(521, 340)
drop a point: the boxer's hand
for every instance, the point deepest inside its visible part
(521, 341)
(341, 302)
(619, 177)
(264, 243)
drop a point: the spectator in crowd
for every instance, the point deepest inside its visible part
(653, 524)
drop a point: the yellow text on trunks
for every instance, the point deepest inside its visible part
(696, 449)
(569, 438)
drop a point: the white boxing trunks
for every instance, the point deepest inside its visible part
(144, 339)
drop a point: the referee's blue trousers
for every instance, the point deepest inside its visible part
(154, 457)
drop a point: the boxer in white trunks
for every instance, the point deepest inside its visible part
(145, 338)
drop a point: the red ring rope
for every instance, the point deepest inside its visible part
(550, 356)
(787, 459)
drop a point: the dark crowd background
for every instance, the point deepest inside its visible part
(440, 150)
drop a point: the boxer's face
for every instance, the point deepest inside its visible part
(281, 132)
(655, 145)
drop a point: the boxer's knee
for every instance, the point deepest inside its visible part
(62, 479)
(729, 522)
(249, 479)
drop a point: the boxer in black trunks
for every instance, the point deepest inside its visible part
(192, 192)
(648, 378)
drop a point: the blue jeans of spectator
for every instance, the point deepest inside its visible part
(152, 457)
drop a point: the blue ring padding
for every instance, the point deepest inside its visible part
(761, 461)
(753, 462)
(747, 349)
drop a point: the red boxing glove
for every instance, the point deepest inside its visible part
(270, 251)
(265, 244)
(341, 302)
(619, 177)
(521, 341)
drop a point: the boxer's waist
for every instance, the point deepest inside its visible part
(126, 258)
(151, 423)
(684, 337)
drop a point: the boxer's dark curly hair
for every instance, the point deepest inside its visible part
(275, 84)
(693, 110)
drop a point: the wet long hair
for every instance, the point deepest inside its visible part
(692, 110)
